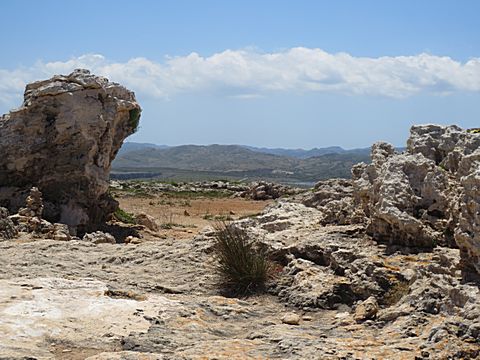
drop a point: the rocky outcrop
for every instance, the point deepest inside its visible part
(406, 197)
(29, 223)
(419, 295)
(427, 195)
(467, 233)
(421, 198)
(336, 294)
(62, 140)
(334, 198)
(266, 191)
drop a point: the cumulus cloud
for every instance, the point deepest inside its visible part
(247, 74)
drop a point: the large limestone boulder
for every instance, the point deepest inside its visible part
(62, 140)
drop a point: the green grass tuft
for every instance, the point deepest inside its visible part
(242, 267)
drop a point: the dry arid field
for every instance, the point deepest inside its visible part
(183, 215)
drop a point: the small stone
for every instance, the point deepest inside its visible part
(132, 240)
(291, 319)
(99, 237)
(61, 232)
(366, 310)
(147, 221)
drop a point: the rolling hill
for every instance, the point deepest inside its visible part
(193, 162)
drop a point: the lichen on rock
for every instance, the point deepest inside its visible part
(63, 140)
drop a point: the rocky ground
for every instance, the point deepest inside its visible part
(159, 299)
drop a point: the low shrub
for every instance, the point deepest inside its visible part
(124, 216)
(242, 266)
(134, 118)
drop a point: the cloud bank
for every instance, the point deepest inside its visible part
(248, 74)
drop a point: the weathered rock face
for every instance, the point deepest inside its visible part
(426, 196)
(63, 140)
(467, 233)
(7, 228)
(446, 145)
(407, 198)
(334, 198)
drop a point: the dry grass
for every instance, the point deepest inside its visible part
(243, 267)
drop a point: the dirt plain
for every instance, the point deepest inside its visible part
(184, 215)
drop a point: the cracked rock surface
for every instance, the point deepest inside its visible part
(351, 298)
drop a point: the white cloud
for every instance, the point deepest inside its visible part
(248, 73)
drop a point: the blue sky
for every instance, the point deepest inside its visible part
(266, 73)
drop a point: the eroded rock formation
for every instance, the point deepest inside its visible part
(62, 140)
(424, 197)
(417, 296)
(406, 197)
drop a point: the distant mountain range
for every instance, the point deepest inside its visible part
(235, 161)
(295, 153)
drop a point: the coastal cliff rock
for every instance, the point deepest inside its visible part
(62, 140)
